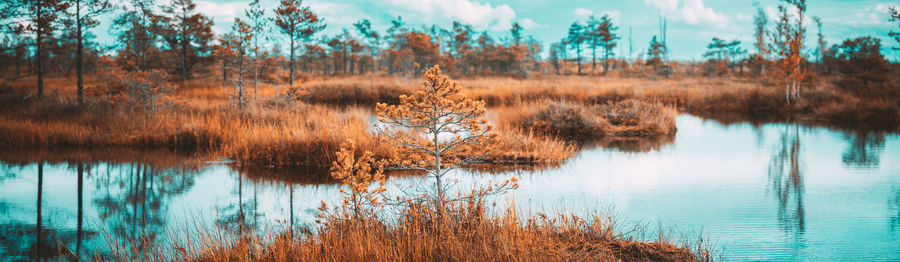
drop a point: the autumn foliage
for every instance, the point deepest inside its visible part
(437, 130)
(358, 174)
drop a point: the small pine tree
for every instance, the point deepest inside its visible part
(299, 23)
(238, 47)
(438, 129)
(358, 174)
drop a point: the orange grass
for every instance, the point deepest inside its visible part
(271, 133)
(585, 123)
(742, 97)
(465, 233)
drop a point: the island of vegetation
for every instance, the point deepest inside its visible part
(352, 106)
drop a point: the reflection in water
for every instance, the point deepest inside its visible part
(806, 213)
(786, 178)
(80, 208)
(864, 150)
(234, 216)
(134, 208)
(32, 241)
(640, 144)
(894, 209)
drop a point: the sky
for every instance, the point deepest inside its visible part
(691, 23)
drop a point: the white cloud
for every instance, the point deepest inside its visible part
(873, 15)
(223, 14)
(481, 15)
(774, 15)
(771, 13)
(337, 16)
(615, 15)
(694, 12)
(529, 24)
(582, 12)
(217, 10)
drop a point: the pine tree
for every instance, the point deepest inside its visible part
(437, 130)
(256, 19)
(575, 39)
(42, 16)
(239, 45)
(299, 23)
(187, 33)
(606, 33)
(85, 12)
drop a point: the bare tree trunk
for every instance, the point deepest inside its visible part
(38, 56)
(240, 84)
(291, 62)
(184, 46)
(78, 54)
(225, 70)
(579, 60)
(606, 61)
(787, 93)
(439, 201)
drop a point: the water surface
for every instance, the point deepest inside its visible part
(777, 191)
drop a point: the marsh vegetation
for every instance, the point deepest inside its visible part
(362, 112)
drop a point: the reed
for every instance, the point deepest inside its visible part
(538, 119)
(414, 233)
(581, 123)
(742, 97)
(272, 133)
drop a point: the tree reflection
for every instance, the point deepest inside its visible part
(786, 178)
(234, 216)
(135, 206)
(894, 209)
(864, 150)
(32, 242)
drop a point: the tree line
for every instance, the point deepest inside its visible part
(158, 45)
(174, 38)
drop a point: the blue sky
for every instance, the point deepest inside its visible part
(691, 23)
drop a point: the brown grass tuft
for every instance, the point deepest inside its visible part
(417, 234)
(583, 124)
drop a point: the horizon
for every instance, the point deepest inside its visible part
(691, 24)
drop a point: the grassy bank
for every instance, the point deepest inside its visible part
(587, 123)
(821, 100)
(466, 233)
(269, 134)
(540, 121)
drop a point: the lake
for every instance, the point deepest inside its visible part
(773, 191)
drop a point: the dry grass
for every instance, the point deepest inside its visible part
(358, 91)
(272, 132)
(466, 233)
(586, 123)
(741, 97)
(265, 135)
(200, 117)
(158, 159)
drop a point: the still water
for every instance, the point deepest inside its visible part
(776, 191)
